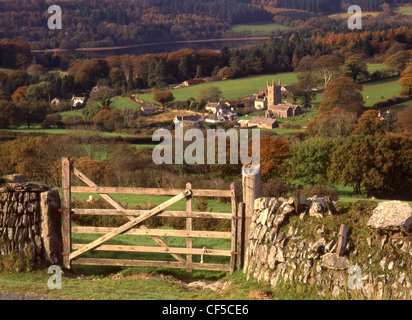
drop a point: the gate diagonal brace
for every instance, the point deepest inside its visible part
(120, 208)
(130, 224)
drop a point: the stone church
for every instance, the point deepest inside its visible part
(271, 98)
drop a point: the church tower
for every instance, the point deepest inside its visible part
(274, 93)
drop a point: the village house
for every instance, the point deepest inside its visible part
(260, 103)
(215, 107)
(232, 104)
(215, 118)
(78, 101)
(263, 123)
(191, 121)
(243, 123)
(55, 101)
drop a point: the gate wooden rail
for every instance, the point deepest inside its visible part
(137, 218)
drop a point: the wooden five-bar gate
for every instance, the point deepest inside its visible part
(72, 253)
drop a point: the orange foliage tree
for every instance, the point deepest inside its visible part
(274, 154)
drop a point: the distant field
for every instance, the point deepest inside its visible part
(404, 10)
(376, 67)
(65, 131)
(346, 15)
(380, 90)
(231, 89)
(261, 28)
(121, 102)
(6, 70)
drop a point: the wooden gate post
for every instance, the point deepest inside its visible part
(252, 189)
(66, 212)
(189, 240)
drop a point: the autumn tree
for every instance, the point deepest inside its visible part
(163, 97)
(3, 79)
(89, 72)
(225, 73)
(20, 94)
(273, 157)
(332, 124)
(406, 82)
(36, 70)
(10, 115)
(398, 61)
(370, 123)
(327, 67)
(342, 93)
(403, 124)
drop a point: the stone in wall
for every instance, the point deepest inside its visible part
(391, 215)
(30, 220)
(281, 252)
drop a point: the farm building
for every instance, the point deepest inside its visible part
(148, 109)
(192, 82)
(191, 121)
(263, 122)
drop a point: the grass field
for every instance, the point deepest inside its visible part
(121, 102)
(404, 10)
(381, 90)
(259, 28)
(65, 131)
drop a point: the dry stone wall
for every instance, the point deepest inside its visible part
(291, 241)
(30, 221)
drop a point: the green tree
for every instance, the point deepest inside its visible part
(67, 86)
(356, 67)
(34, 112)
(183, 68)
(311, 159)
(105, 101)
(40, 91)
(117, 78)
(212, 93)
(381, 164)
(303, 89)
